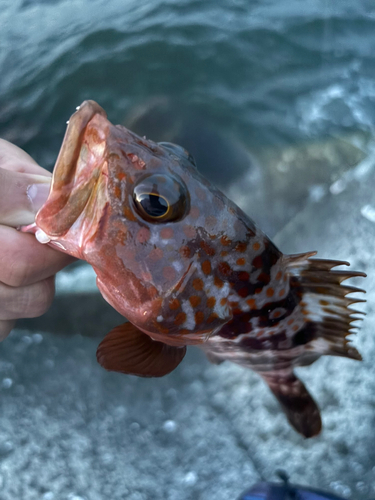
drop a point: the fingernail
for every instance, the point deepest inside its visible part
(38, 194)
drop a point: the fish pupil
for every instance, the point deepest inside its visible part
(160, 198)
(153, 204)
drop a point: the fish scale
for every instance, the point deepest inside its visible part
(186, 266)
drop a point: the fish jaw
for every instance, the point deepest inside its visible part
(79, 176)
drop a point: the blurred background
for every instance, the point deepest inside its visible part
(276, 101)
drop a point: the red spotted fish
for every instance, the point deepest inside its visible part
(186, 266)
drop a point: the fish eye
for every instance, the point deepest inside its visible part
(161, 198)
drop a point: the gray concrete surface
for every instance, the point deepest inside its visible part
(71, 431)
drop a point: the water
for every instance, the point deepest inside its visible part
(267, 74)
(277, 102)
(261, 76)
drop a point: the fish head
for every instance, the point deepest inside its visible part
(152, 227)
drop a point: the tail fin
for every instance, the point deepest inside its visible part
(296, 402)
(324, 302)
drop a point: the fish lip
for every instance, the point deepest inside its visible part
(56, 216)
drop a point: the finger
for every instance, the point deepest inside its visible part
(21, 196)
(14, 158)
(24, 261)
(27, 301)
(5, 328)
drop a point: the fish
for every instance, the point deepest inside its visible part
(186, 266)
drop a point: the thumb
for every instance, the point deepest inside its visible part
(21, 196)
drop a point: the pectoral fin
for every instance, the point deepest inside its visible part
(298, 405)
(128, 350)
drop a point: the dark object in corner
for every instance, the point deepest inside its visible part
(285, 491)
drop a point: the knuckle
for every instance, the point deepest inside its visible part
(17, 273)
(26, 301)
(39, 297)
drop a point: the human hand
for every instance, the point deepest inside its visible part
(27, 268)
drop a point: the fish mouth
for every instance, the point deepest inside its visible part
(76, 171)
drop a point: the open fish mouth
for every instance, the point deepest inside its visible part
(77, 169)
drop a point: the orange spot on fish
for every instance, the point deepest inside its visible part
(241, 261)
(183, 331)
(206, 267)
(305, 312)
(190, 231)
(282, 292)
(251, 303)
(278, 276)
(199, 317)
(223, 301)
(166, 233)
(180, 318)
(219, 204)
(210, 221)
(198, 284)
(256, 246)
(146, 276)
(212, 317)
(324, 302)
(224, 253)
(143, 235)
(174, 304)
(185, 252)
(270, 292)
(290, 322)
(195, 300)
(225, 241)
(211, 301)
(201, 193)
(156, 254)
(207, 249)
(118, 192)
(241, 247)
(224, 268)
(258, 290)
(121, 176)
(194, 212)
(218, 282)
(276, 314)
(295, 328)
(161, 328)
(169, 273)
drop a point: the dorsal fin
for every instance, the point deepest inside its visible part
(325, 303)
